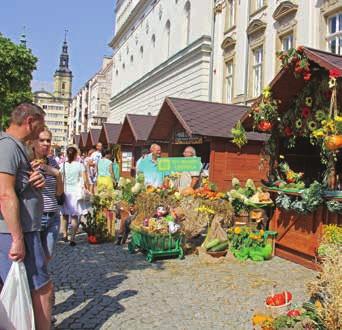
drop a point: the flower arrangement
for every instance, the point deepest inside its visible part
(296, 59)
(265, 113)
(239, 135)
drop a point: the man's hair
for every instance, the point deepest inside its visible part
(24, 110)
(154, 145)
(193, 150)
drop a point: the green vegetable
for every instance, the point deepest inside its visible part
(212, 243)
(242, 254)
(220, 247)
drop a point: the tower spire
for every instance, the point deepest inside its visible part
(23, 38)
(64, 57)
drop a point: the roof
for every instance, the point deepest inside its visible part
(111, 132)
(199, 118)
(83, 139)
(136, 128)
(93, 137)
(76, 139)
(285, 86)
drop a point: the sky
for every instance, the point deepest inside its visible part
(90, 25)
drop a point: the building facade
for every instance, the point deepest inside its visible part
(161, 48)
(89, 108)
(56, 104)
(248, 34)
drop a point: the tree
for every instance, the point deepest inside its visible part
(16, 66)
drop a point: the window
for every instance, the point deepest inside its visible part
(168, 29)
(287, 42)
(334, 36)
(141, 51)
(187, 8)
(259, 4)
(257, 71)
(63, 85)
(229, 81)
(153, 39)
(131, 58)
(230, 14)
(126, 161)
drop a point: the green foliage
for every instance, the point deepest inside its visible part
(239, 135)
(16, 66)
(310, 199)
(334, 206)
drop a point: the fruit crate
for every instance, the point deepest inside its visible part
(156, 245)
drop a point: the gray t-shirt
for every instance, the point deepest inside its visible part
(14, 161)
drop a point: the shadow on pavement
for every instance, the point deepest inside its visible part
(87, 275)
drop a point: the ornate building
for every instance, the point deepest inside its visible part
(56, 104)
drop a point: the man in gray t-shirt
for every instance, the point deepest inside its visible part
(21, 207)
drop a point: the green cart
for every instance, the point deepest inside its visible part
(156, 245)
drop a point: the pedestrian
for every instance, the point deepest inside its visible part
(22, 208)
(148, 166)
(75, 184)
(188, 179)
(97, 154)
(90, 170)
(105, 174)
(51, 192)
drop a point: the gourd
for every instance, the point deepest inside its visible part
(333, 142)
(187, 191)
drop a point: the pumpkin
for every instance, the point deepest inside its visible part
(333, 142)
(187, 191)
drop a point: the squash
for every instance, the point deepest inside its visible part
(333, 142)
(187, 191)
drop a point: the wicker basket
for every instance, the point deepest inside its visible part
(217, 254)
(279, 310)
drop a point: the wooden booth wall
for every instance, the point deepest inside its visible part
(227, 162)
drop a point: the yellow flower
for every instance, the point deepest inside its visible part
(262, 232)
(266, 92)
(338, 118)
(237, 230)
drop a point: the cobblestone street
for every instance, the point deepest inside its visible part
(104, 287)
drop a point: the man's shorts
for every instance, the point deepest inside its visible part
(34, 261)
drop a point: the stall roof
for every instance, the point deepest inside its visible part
(83, 139)
(109, 133)
(76, 140)
(136, 128)
(93, 137)
(285, 86)
(199, 118)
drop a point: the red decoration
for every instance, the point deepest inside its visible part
(307, 75)
(264, 126)
(288, 131)
(306, 111)
(92, 239)
(335, 73)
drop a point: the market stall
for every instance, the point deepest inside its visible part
(300, 109)
(76, 140)
(207, 127)
(133, 138)
(82, 141)
(109, 134)
(92, 138)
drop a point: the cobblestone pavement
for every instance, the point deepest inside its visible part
(104, 287)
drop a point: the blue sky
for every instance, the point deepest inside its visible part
(90, 24)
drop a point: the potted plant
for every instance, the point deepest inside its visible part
(239, 135)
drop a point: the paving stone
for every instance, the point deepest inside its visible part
(104, 287)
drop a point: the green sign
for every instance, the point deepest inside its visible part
(179, 164)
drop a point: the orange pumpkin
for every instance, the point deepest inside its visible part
(187, 191)
(333, 142)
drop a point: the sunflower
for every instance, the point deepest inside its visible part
(237, 230)
(299, 123)
(308, 101)
(312, 125)
(320, 115)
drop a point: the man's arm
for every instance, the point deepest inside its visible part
(10, 212)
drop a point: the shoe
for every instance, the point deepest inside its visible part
(65, 239)
(118, 241)
(53, 319)
(72, 243)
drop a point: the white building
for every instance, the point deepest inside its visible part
(90, 106)
(161, 48)
(249, 33)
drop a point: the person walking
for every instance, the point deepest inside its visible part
(90, 170)
(75, 182)
(21, 203)
(105, 173)
(51, 192)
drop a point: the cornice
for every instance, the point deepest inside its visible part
(255, 26)
(285, 8)
(228, 42)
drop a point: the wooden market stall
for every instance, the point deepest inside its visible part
(133, 138)
(83, 141)
(76, 140)
(92, 138)
(109, 134)
(300, 109)
(207, 127)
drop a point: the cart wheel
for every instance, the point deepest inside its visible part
(131, 247)
(181, 254)
(149, 257)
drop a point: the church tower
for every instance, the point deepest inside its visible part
(63, 76)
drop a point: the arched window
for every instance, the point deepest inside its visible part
(141, 51)
(153, 39)
(187, 9)
(168, 30)
(131, 58)
(63, 85)
(117, 72)
(123, 66)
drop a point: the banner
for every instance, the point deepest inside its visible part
(179, 164)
